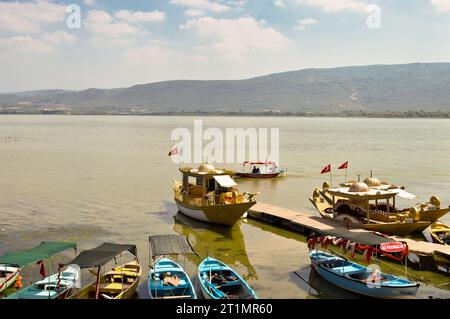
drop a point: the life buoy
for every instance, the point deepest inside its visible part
(18, 284)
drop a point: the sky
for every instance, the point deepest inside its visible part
(79, 44)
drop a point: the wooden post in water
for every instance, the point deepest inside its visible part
(97, 286)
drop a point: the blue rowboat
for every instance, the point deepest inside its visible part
(359, 279)
(168, 280)
(219, 281)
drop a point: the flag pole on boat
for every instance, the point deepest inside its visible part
(327, 169)
(344, 166)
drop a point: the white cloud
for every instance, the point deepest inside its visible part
(332, 5)
(24, 44)
(194, 13)
(90, 2)
(206, 5)
(234, 38)
(140, 16)
(279, 3)
(58, 37)
(102, 24)
(27, 17)
(301, 24)
(441, 5)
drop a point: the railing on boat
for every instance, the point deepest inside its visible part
(210, 199)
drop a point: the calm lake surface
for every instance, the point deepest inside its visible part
(92, 179)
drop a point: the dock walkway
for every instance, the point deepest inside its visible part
(424, 255)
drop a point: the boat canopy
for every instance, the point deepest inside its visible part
(404, 194)
(372, 193)
(170, 245)
(259, 163)
(225, 180)
(45, 250)
(98, 256)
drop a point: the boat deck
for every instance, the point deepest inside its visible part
(421, 253)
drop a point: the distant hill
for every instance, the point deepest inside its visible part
(375, 88)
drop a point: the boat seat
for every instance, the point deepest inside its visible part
(346, 269)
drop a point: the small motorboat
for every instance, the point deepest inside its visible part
(359, 279)
(440, 233)
(57, 286)
(219, 281)
(166, 278)
(261, 170)
(8, 276)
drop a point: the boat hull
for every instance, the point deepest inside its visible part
(10, 279)
(257, 175)
(226, 215)
(369, 290)
(116, 290)
(439, 228)
(235, 287)
(156, 288)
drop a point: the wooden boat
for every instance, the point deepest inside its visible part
(219, 281)
(57, 286)
(261, 170)
(210, 195)
(12, 263)
(119, 283)
(359, 279)
(211, 237)
(166, 278)
(8, 276)
(440, 233)
(371, 205)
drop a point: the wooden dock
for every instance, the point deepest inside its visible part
(423, 255)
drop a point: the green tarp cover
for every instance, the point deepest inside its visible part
(170, 245)
(100, 255)
(45, 250)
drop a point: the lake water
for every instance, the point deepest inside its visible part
(92, 179)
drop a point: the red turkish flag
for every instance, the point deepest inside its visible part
(326, 169)
(343, 165)
(42, 268)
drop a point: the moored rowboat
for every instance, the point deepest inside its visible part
(220, 281)
(359, 279)
(440, 233)
(168, 280)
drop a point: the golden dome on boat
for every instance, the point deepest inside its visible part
(359, 187)
(206, 168)
(372, 182)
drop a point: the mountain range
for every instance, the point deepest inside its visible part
(374, 88)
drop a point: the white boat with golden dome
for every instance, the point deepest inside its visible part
(371, 205)
(210, 195)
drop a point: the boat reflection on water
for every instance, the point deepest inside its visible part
(224, 243)
(309, 280)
